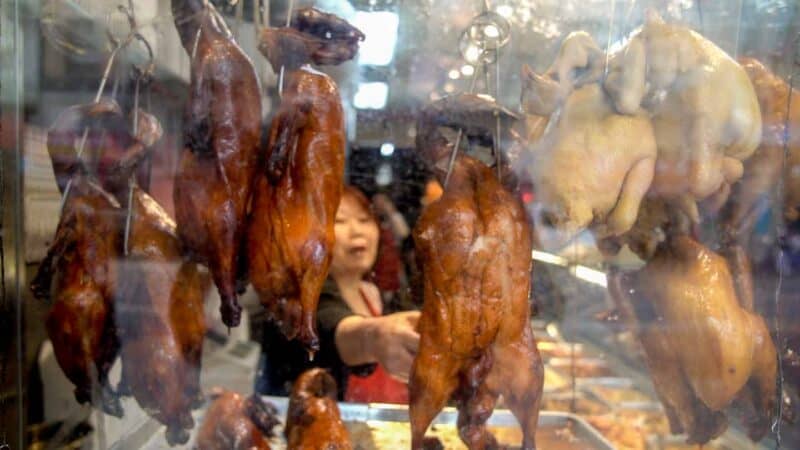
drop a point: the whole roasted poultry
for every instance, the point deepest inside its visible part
(676, 75)
(159, 313)
(81, 269)
(297, 190)
(236, 422)
(590, 166)
(704, 349)
(313, 421)
(222, 132)
(473, 246)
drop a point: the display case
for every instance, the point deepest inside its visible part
(517, 223)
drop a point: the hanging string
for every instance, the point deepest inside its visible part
(288, 24)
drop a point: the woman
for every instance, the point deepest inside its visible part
(369, 354)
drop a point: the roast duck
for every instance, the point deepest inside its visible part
(218, 163)
(298, 185)
(160, 318)
(313, 421)
(236, 422)
(706, 351)
(80, 272)
(473, 246)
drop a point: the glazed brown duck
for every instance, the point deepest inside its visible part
(474, 249)
(236, 422)
(297, 191)
(222, 124)
(80, 274)
(313, 421)
(160, 319)
(704, 349)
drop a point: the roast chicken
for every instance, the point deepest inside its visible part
(676, 75)
(80, 275)
(161, 320)
(297, 189)
(473, 246)
(591, 166)
(236, 422)
(313, 421)
(222, 132)
(705, 351)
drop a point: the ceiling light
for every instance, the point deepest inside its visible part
(491, 31)
(453, 74)
(371, 95)
(387, 149)
(467, 70)
(449, 88)
(505, 11)
(380, 31)
(384, 176)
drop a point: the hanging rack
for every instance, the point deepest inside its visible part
(117, 46)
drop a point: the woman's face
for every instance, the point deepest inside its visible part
(356, 244)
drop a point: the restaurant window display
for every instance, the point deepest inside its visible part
(400, 224)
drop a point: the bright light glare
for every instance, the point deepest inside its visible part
(491, 31)
(549, 258)
(472, 53)
(387, 149)
(587, 274)
(384, 176)
(467, 70)
(453, 74)
(505, 11)
(371, 95)
(380, 31)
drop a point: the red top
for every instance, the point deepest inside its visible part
(379, 386)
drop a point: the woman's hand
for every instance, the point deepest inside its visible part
(391, 340)
(396, 342)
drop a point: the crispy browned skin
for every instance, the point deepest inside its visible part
(297, 192)
(313, 421)
(704, 349)
(215, 174)
(291, 230)
(236, 422)
(474, 249)
(160, 319)
(80, 272)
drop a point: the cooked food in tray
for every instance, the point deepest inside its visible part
(313, 421)
(298, 186)
(474, 247)
(236, 422)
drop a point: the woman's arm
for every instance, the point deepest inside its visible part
(390, 340)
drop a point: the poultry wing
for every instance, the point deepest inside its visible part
(313, 421)
(297, 191)
(222, 132)
(473, 247)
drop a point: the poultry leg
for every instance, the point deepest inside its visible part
(634, 187)
(518, 374)
(476, 402)
(434, 378)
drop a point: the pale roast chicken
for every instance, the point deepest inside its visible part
(473, 246)
(704, 350)
(313, 421)
(297, 190)
(222, 132)
(236, 422)
(80, 275)
(591, 166)
(676, 75)
(161, 320)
